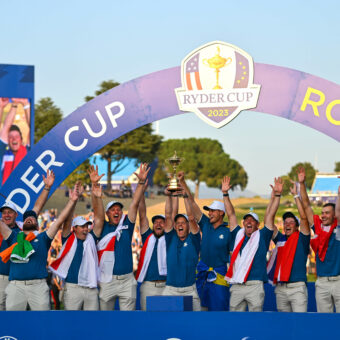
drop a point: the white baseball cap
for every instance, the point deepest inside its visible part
(253, 215)
(157, 216)
(216, 205)
(9, 205)
(80, 220)
(181, 215)
(110, 204)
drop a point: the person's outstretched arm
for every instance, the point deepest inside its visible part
(42, 199)
(143, 220)
(274, 205)
(304, 196)
(229, 208)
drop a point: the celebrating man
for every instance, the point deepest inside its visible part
(216, 245)
(77, 264)
(114, 246)
(326, 245)
(9, 215)
(28, 254)
(247, 271)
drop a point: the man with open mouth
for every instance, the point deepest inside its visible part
(326, 245)
(287, 265)
(28, 255)
(183, 240)
(247, 271)
(9, 217)
(152, 268)
(114, 238)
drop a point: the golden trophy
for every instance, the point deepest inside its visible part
(173, 182)
(217, 62)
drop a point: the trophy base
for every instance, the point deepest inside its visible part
(173, 185)
(217, 87)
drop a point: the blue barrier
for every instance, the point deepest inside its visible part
(56, 325)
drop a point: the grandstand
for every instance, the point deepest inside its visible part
(325, 187)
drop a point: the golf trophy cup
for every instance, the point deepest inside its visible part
(173, 182)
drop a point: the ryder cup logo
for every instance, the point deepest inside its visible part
(217, 83)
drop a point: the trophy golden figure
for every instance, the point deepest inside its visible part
(217, 62)
(173, 182)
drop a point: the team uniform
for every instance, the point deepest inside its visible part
(4, 269)
(153, 282)
(182, 258)
(247, 273)
(77, 264)
(120, 283)
(215, 248)
(327, 254)
(290, 272)
(27, 281)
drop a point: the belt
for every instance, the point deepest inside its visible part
(291, 284)
(249, 283)
(77, 286)
(3, 277)
(156, 283)
(329, 278)
(121, 277)
(27, 282)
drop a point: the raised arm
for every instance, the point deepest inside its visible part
(48, 181)
(195, 208)
(274, 204)
(304, 197)
(97, 201)
(143, 220)
(229, 208)
(68, 222)
(53, 229)
(193, 226)
(337, 207)
(7, 123)
(5, 231)
(304, 225)
(142, 175)
(168, 212)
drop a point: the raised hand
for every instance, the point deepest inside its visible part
(180, 176)
(293, 188)
(97, 190)
(166, 191)
(301, 174)
(49, 179)
(77, 191)
(93, 173)
(3, 102)
(226, 184)
(278, 186)
(143, 172)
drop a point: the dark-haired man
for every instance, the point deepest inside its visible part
(326, 245)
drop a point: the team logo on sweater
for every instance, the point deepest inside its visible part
(217, 83)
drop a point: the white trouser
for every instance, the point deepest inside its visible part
(327, 294)
(123, 287)
(3, 284)
(291, 297)
(185, 291)
(250, 293)
(35, 293)
(80, 298)
(150, 288)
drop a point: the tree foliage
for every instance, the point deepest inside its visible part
(337, 167)
(310, 173)
(140, 144)
(47, 115)
(204, 161)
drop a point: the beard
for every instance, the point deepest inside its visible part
(159, 235)
(30, 227)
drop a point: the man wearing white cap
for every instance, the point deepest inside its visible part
(28, 255)
(183, 246)
(8, 216)
(247, 271)
(114, 237)
(77, 264)
(216, 245)
(152, 267)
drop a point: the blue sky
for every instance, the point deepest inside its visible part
(74, 45)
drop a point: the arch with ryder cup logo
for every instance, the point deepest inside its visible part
(286, 93)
